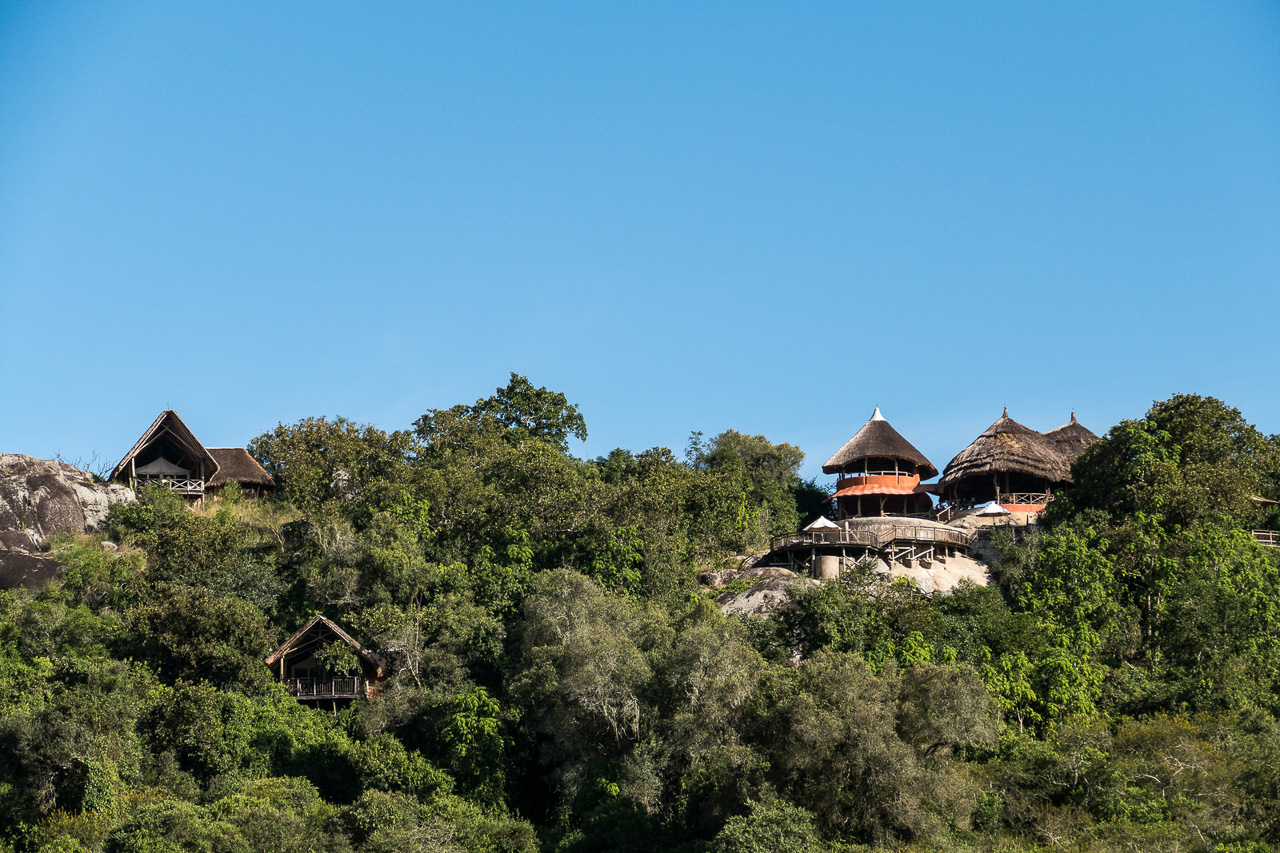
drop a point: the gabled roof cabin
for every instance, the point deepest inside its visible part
(298, 666)
(880, 473)
(170, 454)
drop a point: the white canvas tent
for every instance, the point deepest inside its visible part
(162, 467)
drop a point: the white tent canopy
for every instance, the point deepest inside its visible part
(163, 467)
(822, 523)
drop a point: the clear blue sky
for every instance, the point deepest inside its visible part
(766, 217)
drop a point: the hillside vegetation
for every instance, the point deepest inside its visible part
(561, 683)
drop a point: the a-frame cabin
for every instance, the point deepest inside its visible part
(168, 453)
(296, 665)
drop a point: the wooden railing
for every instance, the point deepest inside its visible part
(1026, 498)
(352, 687)
(184, 486)
(945, 512)
(1270, 538)
(877, 537)
(860, 479)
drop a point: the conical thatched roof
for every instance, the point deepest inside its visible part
(1071, 439)
(1008, 446)
(235, 463)
(878, 440)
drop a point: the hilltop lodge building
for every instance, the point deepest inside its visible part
(883, 509)
(169, 454)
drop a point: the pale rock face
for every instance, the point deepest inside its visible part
(39, 498)
(765, 597)
(943, 577)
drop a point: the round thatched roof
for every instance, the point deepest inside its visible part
(878, 440)
(1071, 439)
(1008, 447)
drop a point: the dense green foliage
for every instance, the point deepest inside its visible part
(561, 683)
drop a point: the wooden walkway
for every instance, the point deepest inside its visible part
(878, 537)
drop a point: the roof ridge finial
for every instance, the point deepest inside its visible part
(1006, 412)
(876, 416)
(1073, 417)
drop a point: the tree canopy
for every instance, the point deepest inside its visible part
(560, 682)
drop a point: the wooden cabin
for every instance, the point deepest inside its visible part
(1011, 465)
(169, 453)
(880, 473)
(298, 665)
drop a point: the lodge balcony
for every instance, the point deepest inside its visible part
(351, 687)
(1270, 538)
(181, 485)
(892, 479)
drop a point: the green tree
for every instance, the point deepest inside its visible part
(517, 412)
(1191, 459)
(767, 472)
(770, 827)
(335, 468)
(195, 634)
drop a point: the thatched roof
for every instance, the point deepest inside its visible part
(1071, 439)
(1008, 447)
(174, 437)
(312, 635)
(236, 465)
(878, 440)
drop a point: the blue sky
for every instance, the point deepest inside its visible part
(765, 217)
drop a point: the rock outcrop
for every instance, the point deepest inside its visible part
(768, 593)
(39, 498)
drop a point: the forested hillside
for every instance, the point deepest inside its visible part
(561, 682)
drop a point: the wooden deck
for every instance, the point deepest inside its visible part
(879, 537)
(327, 688)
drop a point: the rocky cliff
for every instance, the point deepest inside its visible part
(37, 499)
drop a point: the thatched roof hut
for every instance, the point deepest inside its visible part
(1007, 458)
(170, 452)
(880, 473)
(1071, 439)
(878, 440)
(235, 465)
